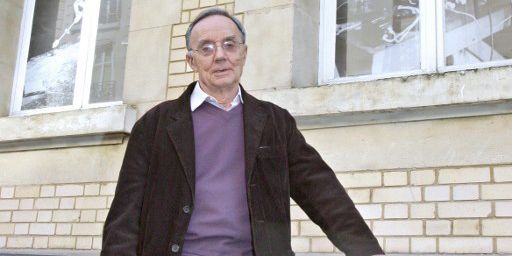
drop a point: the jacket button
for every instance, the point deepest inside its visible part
(175, 248)
(186, 209)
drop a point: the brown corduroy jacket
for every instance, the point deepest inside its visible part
(154, 197)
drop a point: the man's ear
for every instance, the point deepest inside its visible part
(244, 54)
(190, 60)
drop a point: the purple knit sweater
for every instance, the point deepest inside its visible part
(219, 223)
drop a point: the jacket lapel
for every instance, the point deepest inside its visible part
(254, 122)
(181, 133)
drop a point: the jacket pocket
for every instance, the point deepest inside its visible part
(265, 151)
(272, 183)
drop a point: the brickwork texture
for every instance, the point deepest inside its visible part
(439, 210)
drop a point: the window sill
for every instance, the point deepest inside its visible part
(416, 98)
(84, 127)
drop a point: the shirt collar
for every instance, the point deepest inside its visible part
(199, 96)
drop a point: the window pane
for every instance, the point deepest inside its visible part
(110, 53)
(53, 54)
(377, 36)
(477, 31)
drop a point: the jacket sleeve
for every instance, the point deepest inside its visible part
(315, 188)
(121, 229)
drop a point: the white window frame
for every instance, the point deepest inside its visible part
(85, 62)
(431, 49)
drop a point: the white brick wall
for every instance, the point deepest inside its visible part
(300, 244)
(26, 191)
(370, 211)
(438, 227)
(398, 245)
(503, 209)
(47, 191)
(92, 190)
(40, 242)
(399, 195)
(497, 227)
(7, 192)
(9, 204)
(62, 216)
(466, 192)
(19, 242)
(497, 191)
(423, 245)
(359, 195)
(91, 202)
(409, 211)
(423, 211)
(464, 209)
(503, 174)
(69, 190)
(437, 193)
(466, 227)
(62, 242)
(5, 217)
(504, 245)
(466, 175)
(42, 229)
(398, 227)
(395, 178)
(356, 180)
(465, 245)
(423, 177)
(108, 189)
(396, 211)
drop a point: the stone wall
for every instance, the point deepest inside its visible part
(56, 216)
(427, 183)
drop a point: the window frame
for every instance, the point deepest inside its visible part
(432, 60)
(85, 62)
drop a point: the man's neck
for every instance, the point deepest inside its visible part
(224, 96)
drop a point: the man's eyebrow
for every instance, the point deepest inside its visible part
(232, 38)
(228, 38)
(204, 41)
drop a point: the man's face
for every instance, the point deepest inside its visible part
(222, 69)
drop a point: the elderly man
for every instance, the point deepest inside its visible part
(211, 173)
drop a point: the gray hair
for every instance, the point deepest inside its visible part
(213, 12)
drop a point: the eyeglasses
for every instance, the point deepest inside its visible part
(228, 46)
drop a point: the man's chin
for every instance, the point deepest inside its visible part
(225, 83)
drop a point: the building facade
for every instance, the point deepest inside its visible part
(410, 102)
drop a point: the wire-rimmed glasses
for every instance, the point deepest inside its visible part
(228, 46)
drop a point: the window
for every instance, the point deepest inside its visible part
(71, 55)
(371, 39)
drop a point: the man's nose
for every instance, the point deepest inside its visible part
(219, 54)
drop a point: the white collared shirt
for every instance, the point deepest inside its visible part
(199, 96)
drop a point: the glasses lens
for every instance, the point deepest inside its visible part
(229, 46)
(207, 49)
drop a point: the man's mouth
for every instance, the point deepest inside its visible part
(220, 71)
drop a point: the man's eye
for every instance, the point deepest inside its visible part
(207, 48)
(228, 45)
